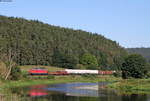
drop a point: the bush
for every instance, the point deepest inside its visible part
(134, 66)
(148, 75)
(117, 74)
(25, 74)
(15, 73)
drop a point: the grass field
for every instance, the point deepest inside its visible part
(50, 68)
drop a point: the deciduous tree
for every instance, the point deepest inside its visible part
(135, 66)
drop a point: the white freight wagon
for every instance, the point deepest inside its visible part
(76, 71)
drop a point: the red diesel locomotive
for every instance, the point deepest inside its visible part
(38, 71)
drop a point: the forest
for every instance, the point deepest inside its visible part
(143, 51)
(32, 42)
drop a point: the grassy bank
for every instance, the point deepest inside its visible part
(124, 86)
(26, 68)
(57, 79)
(132, 86)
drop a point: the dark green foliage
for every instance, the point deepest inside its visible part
(125, 74)
(93, 67)
(143, 51)
(15, 73)
(70, 62)
(148, 75)
(148, 66)
(25, 74)
(134, 66)
(63, 60)
(117, 74)
(34, 43)
(57, 58)
(118, 61)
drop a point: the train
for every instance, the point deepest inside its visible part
(43, 71)
(78, 71)
(38, 71)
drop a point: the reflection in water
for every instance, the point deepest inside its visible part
(38, 90)
(70, 89)
(69, 92)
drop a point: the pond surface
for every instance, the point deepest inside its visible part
(70, 92)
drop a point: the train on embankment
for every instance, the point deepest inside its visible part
(43, 71)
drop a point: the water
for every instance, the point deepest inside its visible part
(69, 92)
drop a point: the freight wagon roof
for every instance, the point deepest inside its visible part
(79, 70)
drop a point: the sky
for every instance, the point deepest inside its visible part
(124, 21)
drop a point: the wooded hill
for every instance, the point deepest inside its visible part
(143, 51)
(35, 43)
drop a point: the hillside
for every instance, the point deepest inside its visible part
(34, 43)
(143, 51)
